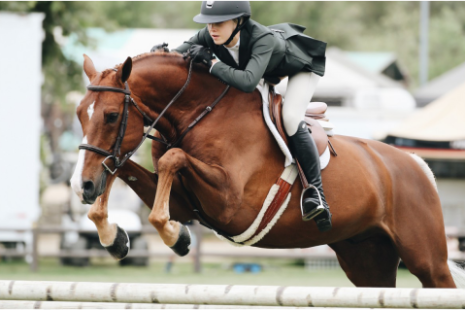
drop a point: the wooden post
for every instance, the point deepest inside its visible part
(35, 254)
(197, 255)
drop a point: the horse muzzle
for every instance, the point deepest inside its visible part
(93, 189)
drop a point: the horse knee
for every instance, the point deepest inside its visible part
(158, 222)
(97, 216)
(173, 160)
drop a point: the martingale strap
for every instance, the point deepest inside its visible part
(207, 110)
(157, 139)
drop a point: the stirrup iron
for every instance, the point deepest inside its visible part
(317, 210)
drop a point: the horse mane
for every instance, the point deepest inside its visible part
(149, 55)
(156, 53)
(139, 57)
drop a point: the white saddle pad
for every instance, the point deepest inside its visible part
(264, 89)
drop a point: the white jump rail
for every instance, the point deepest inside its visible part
(236, 295)
(29, 304)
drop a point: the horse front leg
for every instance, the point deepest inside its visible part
(112, 237)
(174, 234)
(144, 184)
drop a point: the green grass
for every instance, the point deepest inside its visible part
(275, 272)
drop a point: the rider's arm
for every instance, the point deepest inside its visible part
(198, 38)
(247, 79)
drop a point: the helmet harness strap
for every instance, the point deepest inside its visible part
(237, 29)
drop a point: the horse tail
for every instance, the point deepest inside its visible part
(426, 169)
(458, 274)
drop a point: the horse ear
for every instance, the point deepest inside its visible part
(89, 67)
(125, 71)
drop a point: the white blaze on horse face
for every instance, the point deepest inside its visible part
(90, 110)
(76, 179)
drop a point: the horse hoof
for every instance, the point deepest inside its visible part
(120, 247)
(181, 247)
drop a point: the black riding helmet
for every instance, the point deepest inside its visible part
(219, 11)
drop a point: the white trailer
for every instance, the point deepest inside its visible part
(21, 37)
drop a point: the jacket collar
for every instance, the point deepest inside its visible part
(244, 56)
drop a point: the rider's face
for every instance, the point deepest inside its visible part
(220, 32)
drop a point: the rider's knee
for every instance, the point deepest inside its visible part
(290, 121)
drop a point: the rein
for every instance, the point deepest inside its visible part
(124, 122)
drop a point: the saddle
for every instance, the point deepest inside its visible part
(315, 111)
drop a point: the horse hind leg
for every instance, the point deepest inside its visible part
(372, 262)
(423, 249)
(418, 230)
(427, 259)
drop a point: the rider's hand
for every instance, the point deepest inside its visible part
(201, 54)
(160, 47)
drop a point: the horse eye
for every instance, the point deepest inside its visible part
(112, 117)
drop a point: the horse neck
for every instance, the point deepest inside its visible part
(157, 87)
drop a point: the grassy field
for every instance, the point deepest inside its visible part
(275, 272)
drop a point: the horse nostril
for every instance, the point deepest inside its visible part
(88, 187)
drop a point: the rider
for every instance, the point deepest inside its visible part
(249, 52)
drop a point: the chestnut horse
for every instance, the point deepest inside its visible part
(384, 201)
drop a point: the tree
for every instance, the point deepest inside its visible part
(362, 26)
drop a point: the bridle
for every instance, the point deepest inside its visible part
(124, 122)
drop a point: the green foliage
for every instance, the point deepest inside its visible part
(361, 26)
(378, 26)
(447, 37)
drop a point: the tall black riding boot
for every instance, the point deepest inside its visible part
(304, 149)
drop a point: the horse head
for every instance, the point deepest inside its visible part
(101, 113)
(157, 80)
